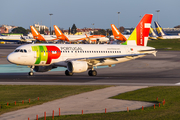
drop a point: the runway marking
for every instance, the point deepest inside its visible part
(178, 83)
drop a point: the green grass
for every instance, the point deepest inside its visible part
(174, 44)
(12, 93)
(170, 111)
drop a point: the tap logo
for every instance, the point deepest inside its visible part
(45, 54)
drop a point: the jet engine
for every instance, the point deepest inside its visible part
(43, 68)
(77, 66)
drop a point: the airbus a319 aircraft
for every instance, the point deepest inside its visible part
(79, 58)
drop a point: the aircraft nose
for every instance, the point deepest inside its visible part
(10, 58)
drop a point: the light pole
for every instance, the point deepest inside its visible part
(118, 19)
(158, 15)
(93, 28)
(140, 16)
(50, 22)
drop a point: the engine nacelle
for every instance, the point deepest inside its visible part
(42, 68)
(77, 66)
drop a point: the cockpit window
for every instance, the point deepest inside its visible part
(21, 50)
(17, 50)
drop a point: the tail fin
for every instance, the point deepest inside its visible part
(152, 33)
(36, 34)
(140, 34)
(117, 35)
(59, 34)
(160, 31)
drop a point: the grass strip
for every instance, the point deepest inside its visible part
(18, 93)
(166, 43)
(171, 109)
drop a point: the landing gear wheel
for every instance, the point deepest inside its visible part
(67, 73)
(31, 73)
(92, 73)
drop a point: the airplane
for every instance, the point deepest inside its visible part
(162, 35)
(152, 34)
(79, 38)
(79, 58)
(39, 37)
(18, 39)
(117, 35)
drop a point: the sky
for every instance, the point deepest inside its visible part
(83, 13)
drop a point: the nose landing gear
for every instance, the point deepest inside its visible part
(31, 73)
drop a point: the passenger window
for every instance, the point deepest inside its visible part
(21, 50)
(25, 51)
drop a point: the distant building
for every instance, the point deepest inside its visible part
(6, 28)
(41, 28)
(87, 31)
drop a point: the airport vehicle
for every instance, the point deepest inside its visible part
(152, 34)
(18, 39)
(162, 35)
(39, 37)
(117, 34)
(79, 58)
(79, 38)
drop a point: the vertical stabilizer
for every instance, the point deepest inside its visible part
(117, 35)
(140, 34)
(59, 34)
(160, 31)
(152, 33)
(36, 34)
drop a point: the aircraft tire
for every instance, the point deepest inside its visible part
(67, 73)
(92, 73)
(31, 73)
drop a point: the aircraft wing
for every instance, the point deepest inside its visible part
(100, 59)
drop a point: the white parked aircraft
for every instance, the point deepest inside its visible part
(162, 35)
(79, 58)
(17, 39)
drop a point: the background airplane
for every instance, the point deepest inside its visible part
(79, 38)
(18, 39)
(152, 34)
(79, 58)
(162, 35)
(117, 34)
(45, 38)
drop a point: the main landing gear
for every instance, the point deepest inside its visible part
(31, 71)
(92, 73)
(67, 73)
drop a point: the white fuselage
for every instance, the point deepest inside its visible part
(59, 54)
(16, 38)
(169, 37)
